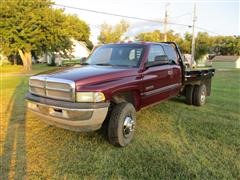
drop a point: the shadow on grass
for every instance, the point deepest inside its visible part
(13, 159)
(178, 100)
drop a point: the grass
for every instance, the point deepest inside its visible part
(172, 140)
(18, 69)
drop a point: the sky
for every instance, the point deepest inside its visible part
(219, 17)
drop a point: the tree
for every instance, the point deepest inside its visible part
(226, 45)
(221, 45)
(34, 26)
(112, 34)
(203, 44)
(185, 43)
(157, 36)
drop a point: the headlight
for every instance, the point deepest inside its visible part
(90, 97)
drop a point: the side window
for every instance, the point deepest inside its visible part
(171, 53)
(132, 54)
(155, 50)
(135, 54)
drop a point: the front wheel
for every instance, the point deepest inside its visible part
(122, 124)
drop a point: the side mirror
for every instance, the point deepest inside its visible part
(163, 59)
(158, 60)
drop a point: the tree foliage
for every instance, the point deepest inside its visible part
(34, 26)
(158, 36)
(220, 45)
(112, 34)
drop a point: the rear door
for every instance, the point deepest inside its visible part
(156, 80)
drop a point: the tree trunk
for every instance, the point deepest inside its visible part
(14, 60)
(26, 59)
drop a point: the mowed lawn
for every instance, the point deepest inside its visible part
(172, 140)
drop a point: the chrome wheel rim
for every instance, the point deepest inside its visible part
(203, 97)
(128, 126)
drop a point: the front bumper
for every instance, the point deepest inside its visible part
(68, 115)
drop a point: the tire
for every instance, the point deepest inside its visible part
(189, 94)
(199, 95)
(121, 124)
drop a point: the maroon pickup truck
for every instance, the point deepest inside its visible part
(114, 82)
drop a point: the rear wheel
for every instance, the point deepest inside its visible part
(122, 124)
(199, 95)
(189, 94)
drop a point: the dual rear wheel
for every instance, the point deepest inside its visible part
(196, 95)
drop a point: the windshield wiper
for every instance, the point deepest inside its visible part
(103, 64)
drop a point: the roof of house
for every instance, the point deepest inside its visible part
(226, 58)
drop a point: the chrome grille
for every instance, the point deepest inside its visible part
(52, 87)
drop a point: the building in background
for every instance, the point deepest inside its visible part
(78, 52)
(226, 62)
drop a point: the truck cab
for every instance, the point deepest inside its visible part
(116, 81)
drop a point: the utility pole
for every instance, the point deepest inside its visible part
(166, 21)
(193, 35)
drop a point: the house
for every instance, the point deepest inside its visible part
(3, 60)
(226, 62)
(78, 52)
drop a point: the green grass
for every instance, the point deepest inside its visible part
(18, 69)
(172, 140)
(224, 65)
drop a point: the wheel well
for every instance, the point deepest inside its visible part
(129, 96)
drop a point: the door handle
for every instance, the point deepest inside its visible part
(140, 76)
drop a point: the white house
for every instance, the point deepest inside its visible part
(226, 62)
(79, 51)
(3, 60)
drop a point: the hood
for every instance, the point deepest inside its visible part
(92, 73)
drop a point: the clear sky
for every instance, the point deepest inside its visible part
(220, 16)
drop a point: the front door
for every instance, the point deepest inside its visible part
(157, 79)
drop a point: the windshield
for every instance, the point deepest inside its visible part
(117, 55)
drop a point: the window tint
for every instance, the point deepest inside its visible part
(155, 50)
(171, 53)
(117, 55)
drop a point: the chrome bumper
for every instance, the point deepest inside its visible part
(75, 119)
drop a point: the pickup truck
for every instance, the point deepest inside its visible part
(115, 81)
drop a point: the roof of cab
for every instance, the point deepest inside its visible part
(137, 43)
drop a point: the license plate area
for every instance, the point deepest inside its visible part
(58, 112)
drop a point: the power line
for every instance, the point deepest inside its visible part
(119, 15)
(131, 17)
(185, 14)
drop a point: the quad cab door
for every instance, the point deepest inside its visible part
(158, 83)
